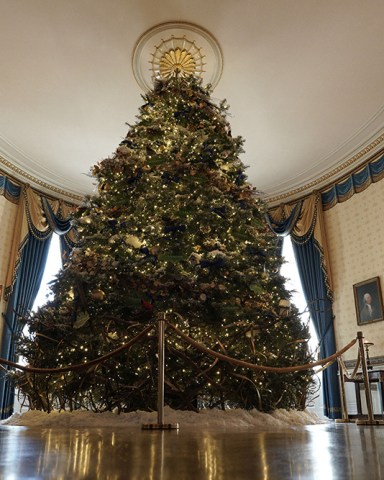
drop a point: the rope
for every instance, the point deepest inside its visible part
(324, 367)
(343, 368)
(325, 361)
(263, 368)
(356, 366)
(348, 377)
(79, 366)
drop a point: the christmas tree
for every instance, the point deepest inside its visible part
(175, 232)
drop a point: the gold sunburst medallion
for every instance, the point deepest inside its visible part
(177, 57)
(177, 62)
(176, 49)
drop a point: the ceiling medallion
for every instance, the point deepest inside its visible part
(177, 57)
(176, 49)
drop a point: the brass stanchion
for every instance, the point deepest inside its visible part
(160, 425)
(344, 408)
(368, 395)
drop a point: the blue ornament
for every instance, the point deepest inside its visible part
(174, 228)
(221, 211)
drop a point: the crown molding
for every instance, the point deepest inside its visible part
(26, 178)
(323, 180)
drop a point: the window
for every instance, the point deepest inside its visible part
(52, 267)
(290, 272)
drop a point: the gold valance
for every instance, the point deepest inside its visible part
(32, 218)
(303, 220)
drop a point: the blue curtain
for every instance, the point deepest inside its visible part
(309, 262)
(32, 265)
(33, 252)
(302, 223)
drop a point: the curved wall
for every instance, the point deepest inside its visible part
(355, 233)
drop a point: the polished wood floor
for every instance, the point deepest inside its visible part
(324, 452)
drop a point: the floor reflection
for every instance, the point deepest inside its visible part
(315, 452)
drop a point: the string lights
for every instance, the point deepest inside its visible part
(175, 229)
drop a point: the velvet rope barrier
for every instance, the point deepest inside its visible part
(329, 360)
(251, 366)
(79, 366)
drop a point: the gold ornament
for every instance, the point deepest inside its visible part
(154, 250)
(98, 295)
(134, 241)
(284, 307)
(195, 258)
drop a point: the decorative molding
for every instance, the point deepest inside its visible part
(162, 41)
(24, 177)
(177, 56)
(324, 181)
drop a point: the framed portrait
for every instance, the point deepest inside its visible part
(368, 301)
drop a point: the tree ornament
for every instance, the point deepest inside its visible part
(133, 240)
(284, 307)
(98, 295)
(195, 258)
(176, 233)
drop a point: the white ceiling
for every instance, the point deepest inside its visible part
(303, 78)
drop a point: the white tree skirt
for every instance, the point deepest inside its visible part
(235, 418)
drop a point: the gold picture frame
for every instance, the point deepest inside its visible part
(368, 301)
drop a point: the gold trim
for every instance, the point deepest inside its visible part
(173, 31)
(41, 183)
(177, 62)
(328, 175)
(177, 56)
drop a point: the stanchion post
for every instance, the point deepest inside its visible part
(160, 376)
(160, 425)
(344, 408)
(368, 395)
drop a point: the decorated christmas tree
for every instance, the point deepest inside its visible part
(175, 232)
